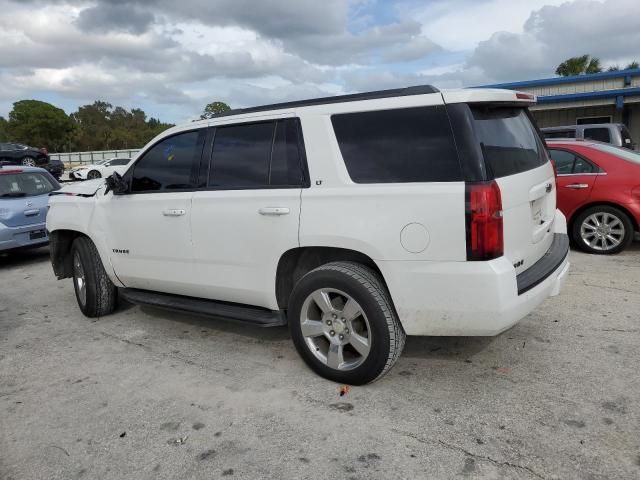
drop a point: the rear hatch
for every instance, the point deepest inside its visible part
(24, 197)
(515, 156)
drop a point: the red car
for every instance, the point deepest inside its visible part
(599, 193)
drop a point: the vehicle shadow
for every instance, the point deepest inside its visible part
(24, 257)
(445, 347)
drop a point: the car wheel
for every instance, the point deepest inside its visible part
(602, 230)
(93, 174)
(343, 323)
(29, 162)
(96, 294)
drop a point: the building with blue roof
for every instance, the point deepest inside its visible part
(580, 99)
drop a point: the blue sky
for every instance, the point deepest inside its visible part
(171, 58)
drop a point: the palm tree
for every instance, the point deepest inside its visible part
(631, 66)
(578, 66)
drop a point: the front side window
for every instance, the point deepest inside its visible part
(256, 155)
(118, 162)
(171, 164)
(599, 134)
(398, 146)
(27, 184)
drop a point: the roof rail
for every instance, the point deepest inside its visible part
(354, 97)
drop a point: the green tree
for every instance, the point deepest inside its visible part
(631, 66)
(583, 64)
(39, 124)
(213, 109)
(4, 130)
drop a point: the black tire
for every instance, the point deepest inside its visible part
(365, 286)
(93, 174)
(100, 293)
(28, 161)
(612, 212)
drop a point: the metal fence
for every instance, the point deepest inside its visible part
(80, 158)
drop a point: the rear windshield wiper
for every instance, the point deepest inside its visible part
(13, 195)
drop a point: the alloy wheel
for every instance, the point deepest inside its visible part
(335, 329)
(602, 231)
(79, 278)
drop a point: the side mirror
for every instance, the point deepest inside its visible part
(116, 184)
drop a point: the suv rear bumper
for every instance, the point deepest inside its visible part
(472, 298)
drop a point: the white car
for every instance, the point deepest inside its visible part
(103, 168)
(356, 220)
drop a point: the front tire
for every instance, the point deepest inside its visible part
(93, 174)
(96, 294)
(343, 323)
(603, 230)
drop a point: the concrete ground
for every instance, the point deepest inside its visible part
(146, 393)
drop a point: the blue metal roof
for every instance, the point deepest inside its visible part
(572, 79)
(571, 97)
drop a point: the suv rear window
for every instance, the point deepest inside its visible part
(398, 146)
(27, 184)
(509, 141)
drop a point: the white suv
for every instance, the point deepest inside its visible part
(356, 220)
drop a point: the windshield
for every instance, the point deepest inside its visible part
(623, 153)
(26, 184)
(508, 139)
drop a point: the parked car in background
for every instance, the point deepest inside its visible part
(613, 133)
(19, 154)
(356, 219)
(55, 167)
(599, 193)
(24, 198)
(99, 169)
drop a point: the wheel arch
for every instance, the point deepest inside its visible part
(60, 242)
(295, 263)
(581, 209)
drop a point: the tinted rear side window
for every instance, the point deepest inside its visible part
(599, 134)
(508, 139)
(171, 164)
(286, 166)
(398, 146)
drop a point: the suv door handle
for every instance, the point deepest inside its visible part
(173, 212)
(577, 186)
(273, 211)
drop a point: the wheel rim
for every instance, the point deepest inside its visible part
(29, 162)
(93, 175)
(602, 231)
(335, 329)
(79, 279)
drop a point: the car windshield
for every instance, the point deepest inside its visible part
(25, 184)
(623, 153)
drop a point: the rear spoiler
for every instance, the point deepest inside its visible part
(489, 95)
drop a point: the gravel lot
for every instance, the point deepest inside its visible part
(146, 393)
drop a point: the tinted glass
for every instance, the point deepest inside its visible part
(560, 134)
(627, 141)
(582, 166)
(508, 139)
(564, 161)
(599, 134)
(286, 168)
(403, 145)
(119, 161)
(171, 164)
(241, 155)
(26, 184)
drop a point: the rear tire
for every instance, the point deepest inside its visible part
(357, 337)
(602, 230)
(96, 294)
(29, 162)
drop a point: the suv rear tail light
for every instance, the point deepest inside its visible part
(485, 239)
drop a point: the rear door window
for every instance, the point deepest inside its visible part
(599, 134)
(398, 146)
(508, 139)
(171, 164)
(568, 163)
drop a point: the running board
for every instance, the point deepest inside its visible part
(260, 317)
